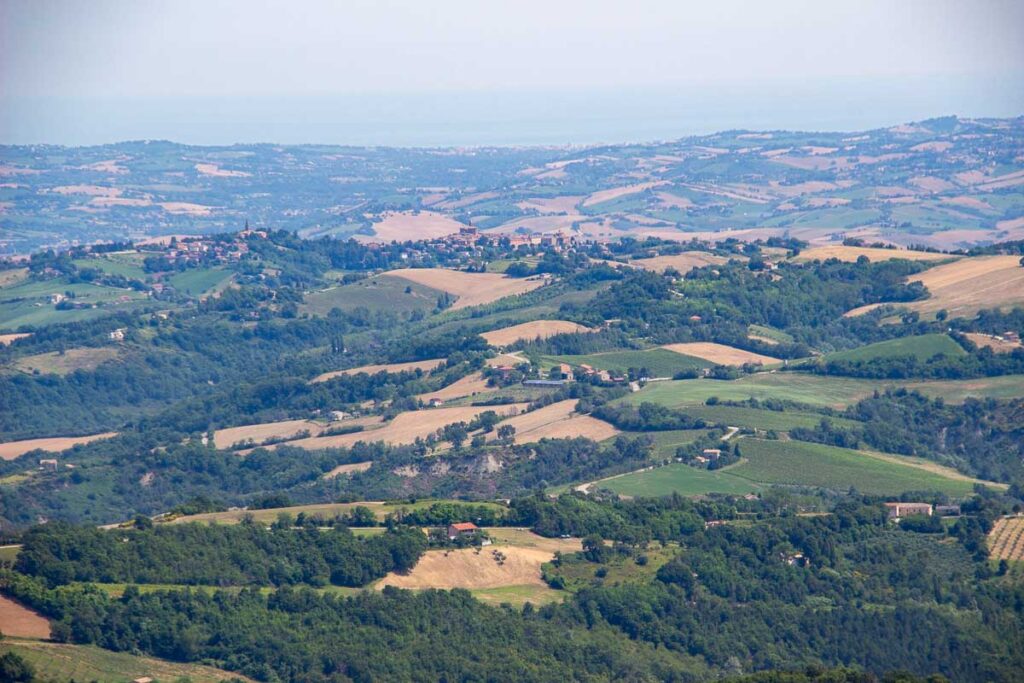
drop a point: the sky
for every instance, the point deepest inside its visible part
(494, 72)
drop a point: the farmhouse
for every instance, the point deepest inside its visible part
(947, 510)
(436, 402)
(49, 464)
(461, 529)
(712, 453)
(898, 510)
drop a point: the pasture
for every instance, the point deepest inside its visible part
(798, 463)
(321, 510)
(802, 388)
(720, 354)
(658, 362)
(57, 363)
(921, 347)
(676, 478)
(536, 329)
(424, 365)
(472, 289)
(57, 444)
(373, 293)
(199, 281)
(762, 418)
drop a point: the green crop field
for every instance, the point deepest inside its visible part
(375, 293)
(678, 478)
(659, 362)
(666, 443)
(789, 386)
(921, 347)
(810, 464)
(66, 662)
(27, 302)
(760, 418)
(770, 333)
(956, 391)
(115, 264)
(199, 281)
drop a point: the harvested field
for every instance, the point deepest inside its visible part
(506, 359)
(557, 421)
(720, 353)
(1006, 540)
(472, 289)
(13, 449)
(64, 363)
(861, 310)
(565, 204)
(424, 365)
(91, 190)
(407, 225)
(225, 438)
(466, 200)
(20, 622)
(348, 469)
(991, 342)
(8, 339)
(523, 552)
(616, 192)
(407, 426)
(546, 224)
(465, 386)
(681, 262)
(968, 285)
(323, 510)
(218, 172)
(12, 276)
(851, 254)
(532, 330)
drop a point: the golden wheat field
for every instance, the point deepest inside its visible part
(532, 330)
(720, 353)
(56, 444)
(472, 289)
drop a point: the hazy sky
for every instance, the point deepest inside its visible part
(101, 50)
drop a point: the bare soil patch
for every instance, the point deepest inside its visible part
(91, 190)
(932, 184)
(564, 204)
(218, 172)
(424, 365)
(532, 330)
(720, 353)
(407, 225)
(990, 342)
(57, 444)
(20, 622)
(684, 262)
(348, 469)
(8, 339)
(472, 289)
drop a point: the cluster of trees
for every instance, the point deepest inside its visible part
(647, 417)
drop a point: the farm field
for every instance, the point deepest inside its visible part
(374, 293)
(347, 469)
(557, 421)
(14, 449)
(684, 262)
(469, 385)
(769, 335)
(325, 510)
(850, 254)
(407, 426)
(127, 265)
(424, 365)
(28, 302)
(532, 330)
(761, 418)
(19, 621)
(472, 289)
(817, 465)
(8, 339)
(666, 442)
(1006, 540)
(990, 342)
(199, 281)
(964, 287)
(817, 390)
(958, 390)
(58, 363)
(408, 225)
(225, 438)
(677, 478)
(67, 662)
(659, 362)
(720, 354)
(921, 347)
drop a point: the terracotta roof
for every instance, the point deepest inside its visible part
(464, 526)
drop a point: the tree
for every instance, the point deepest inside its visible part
(506, 433)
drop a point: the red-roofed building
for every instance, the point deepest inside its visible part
(460, 529)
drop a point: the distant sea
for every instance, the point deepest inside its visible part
(498, 117)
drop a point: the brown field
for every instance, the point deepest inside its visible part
(967, 285)
(861, 310)
(564, 204)
(407, 426)
(406, 225)
(71, 360)
(616, 192)
(1006, 540)
(552, 223)
(933, 146)
(989, 341)
(108, 166)
(225, 438)
(720, 353)
(93, 190)
(851, 254)
(682, 262)
(466, 200)
(13, 449)
(348, 469)
(186, 208)
(8, 339)
(465, 386)
(557, 421)
(120, 201)
(532, 330)
(472, 289)
(969, 202)
(524, 552)
(12, 276)
(424, 365)
(20, 622)
(512, 359)
(218, 172)
(932, 184)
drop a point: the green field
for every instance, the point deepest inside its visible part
(666, 442)
(375, 293)
(800, 463)
(956, 391)
(659, 362)
(199, 281)
(27, 302)
(921, 347)
(66, 662)
(787, 386)
(770, 333)
(126, 265)
(678, 478)
(760, 418)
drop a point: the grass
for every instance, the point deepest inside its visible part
(115, 264)
(375, 293)
(199, 281)
(66, 662)
(579, 573)
(678, 478)
(761, 418)
(518, 595)
(788, 386)
(770, 333)
(54, 362)
(659, 362)
(809, 464)
(956, 391)
(921, 347)
(9, 553)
